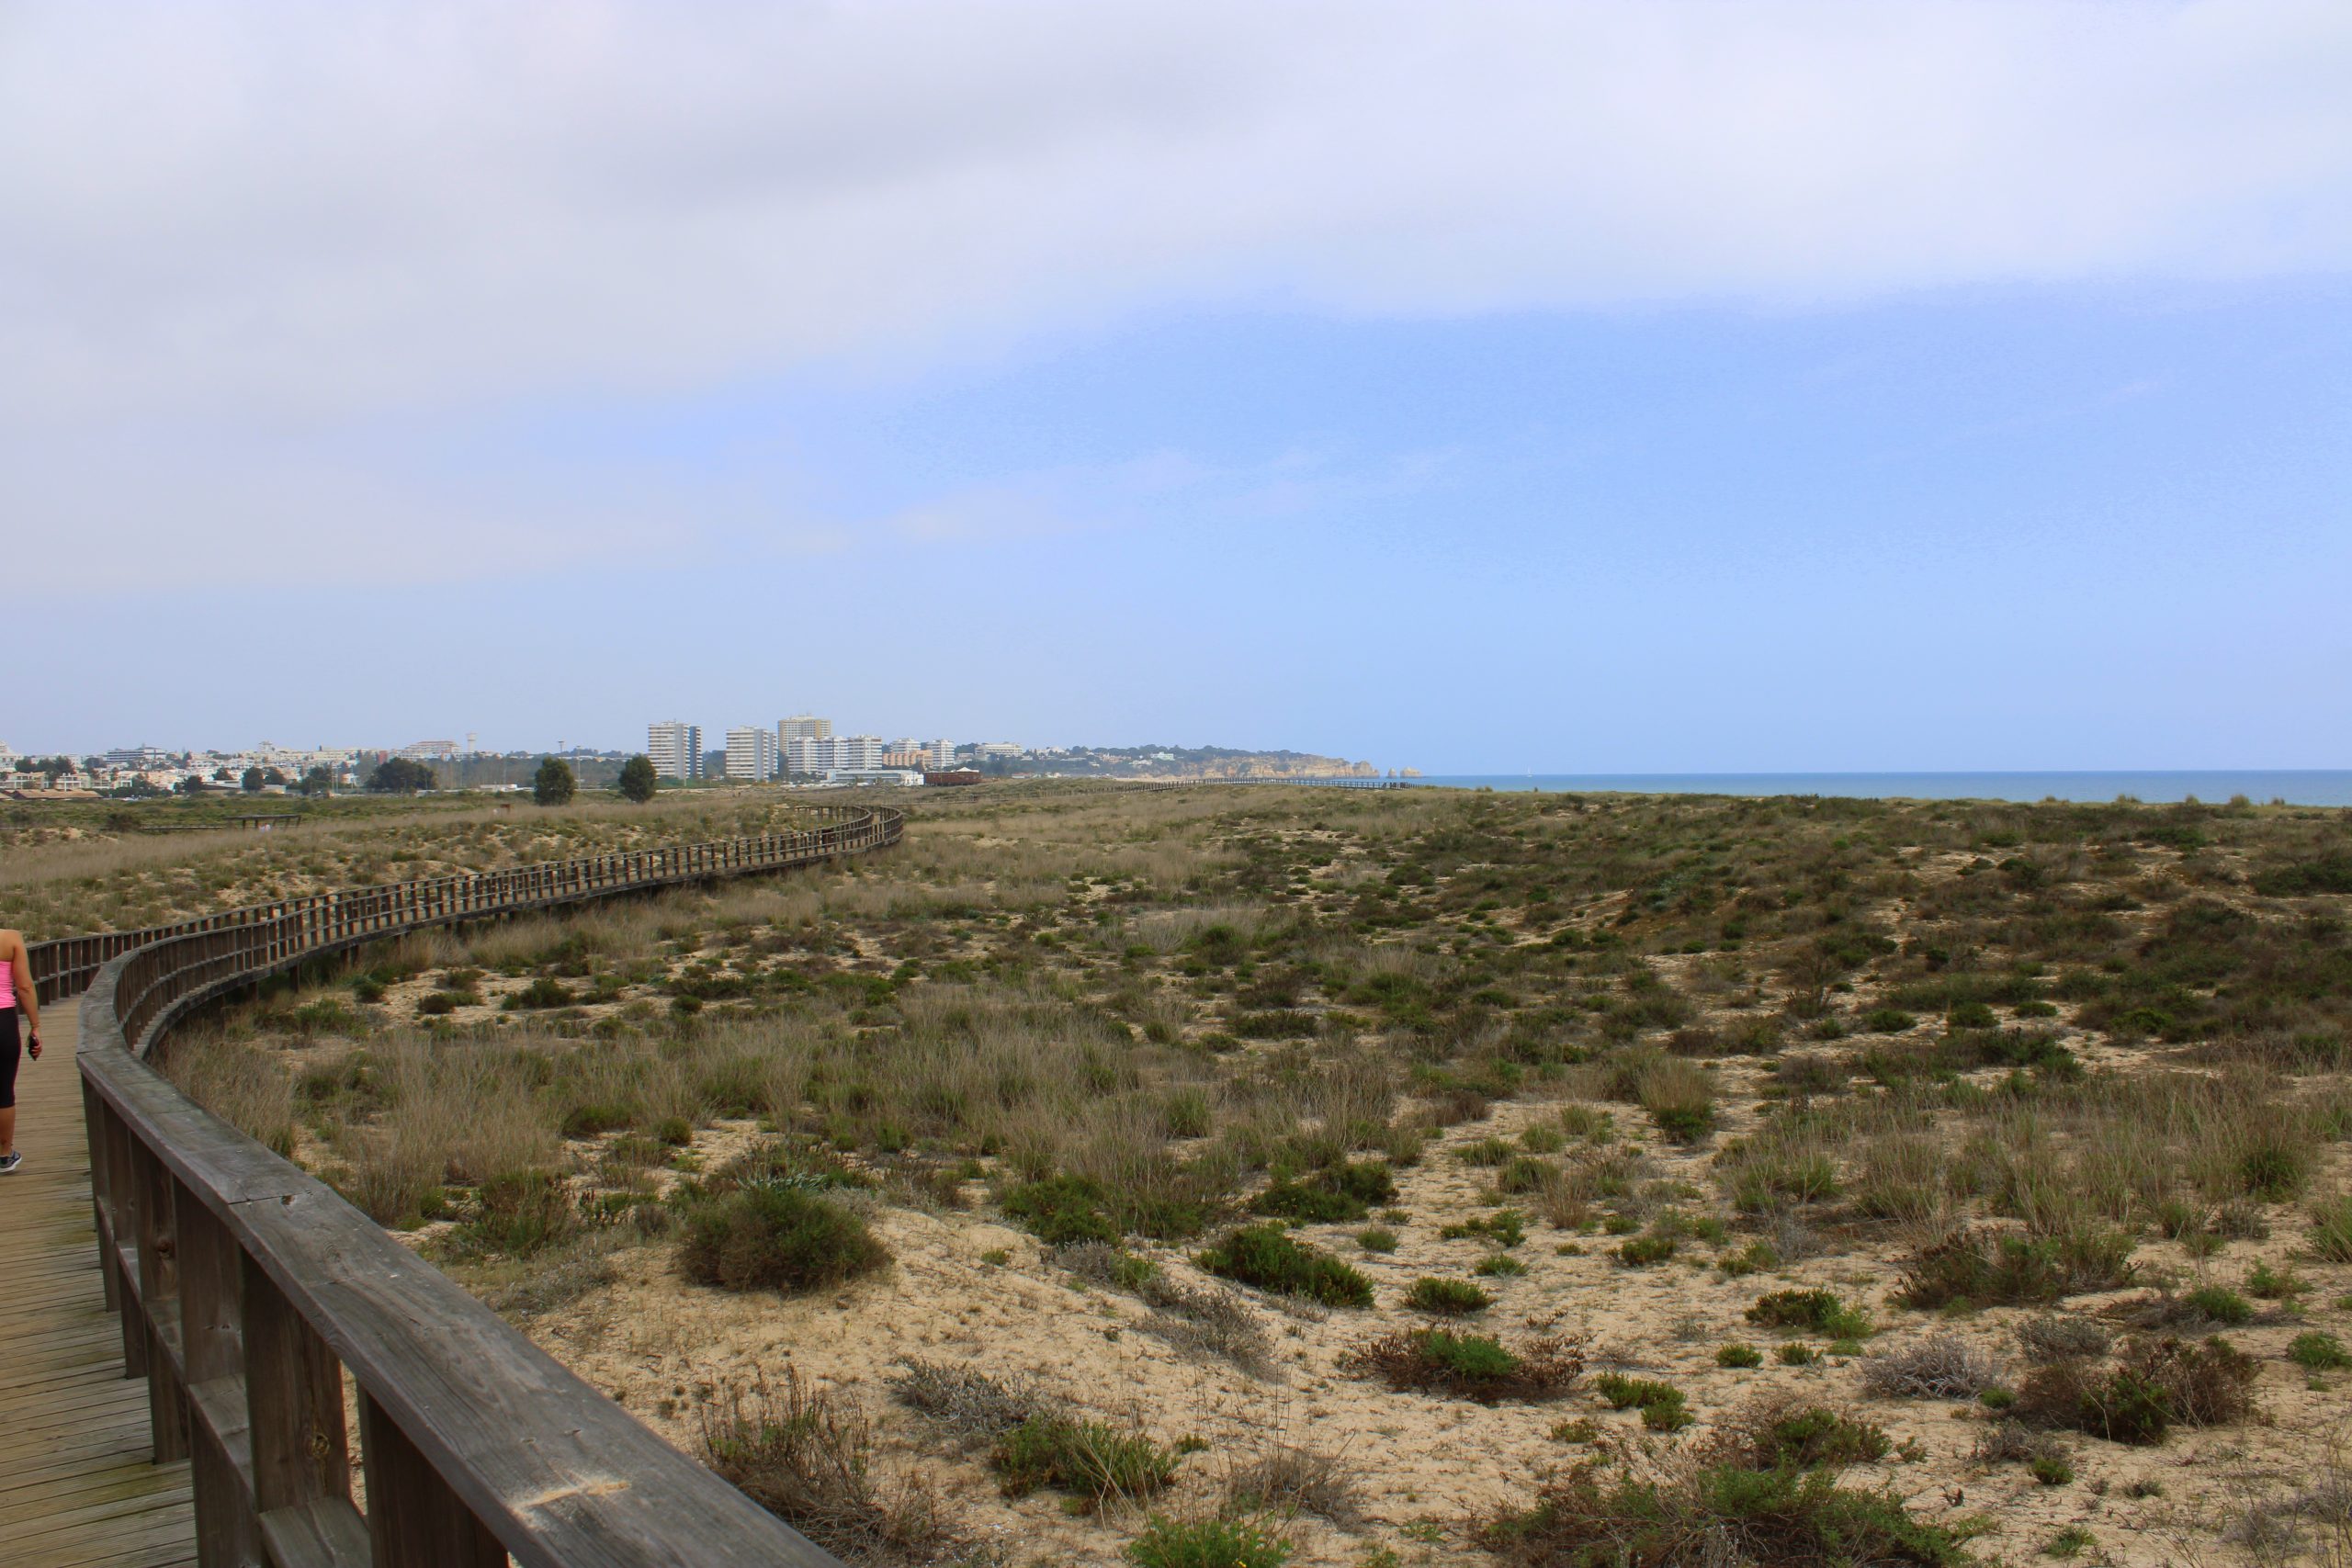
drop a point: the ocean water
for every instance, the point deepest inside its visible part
(2298, 787)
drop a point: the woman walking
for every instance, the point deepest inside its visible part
(16, 992)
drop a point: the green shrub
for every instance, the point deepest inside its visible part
(1376, 1240)
(1887, 1021)
(1498, 1265)
(2050, 1470)
(1796, 1353)
(1984, 1270)
(1662, 1404)
(1818, 1311)
(1738, 1354)
(1644, 1250)
(1451, 1298)
(1472, 1365)
(1063, 1210)
(2319, 1352)
(2152, 1386)
(1505, 1227)
(2220, 1304)
(1594, 1516)
(1333, 1196)
(519, 1213)
(1269, 1257)
(1093, 1458)
(1777, 1433)
(587, 1120)
(543, 992)
(762, 1237)
(1216, 1543)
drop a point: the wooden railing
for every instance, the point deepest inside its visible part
(248, 1290)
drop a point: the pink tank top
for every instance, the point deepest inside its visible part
(7, 984)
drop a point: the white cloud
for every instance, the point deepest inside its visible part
(296, 208)
(249, 251)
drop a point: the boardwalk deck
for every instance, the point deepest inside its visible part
(77, 1489)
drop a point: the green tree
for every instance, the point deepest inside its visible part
(273, 777)
(637, 781)
(318, 781)
(251, 783)
(553, 784)
(398, 775)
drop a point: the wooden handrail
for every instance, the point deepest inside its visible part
(248, 1289)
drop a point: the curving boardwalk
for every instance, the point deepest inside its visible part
(77, 1486)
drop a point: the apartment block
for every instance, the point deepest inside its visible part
(750, 754)
(674, 748)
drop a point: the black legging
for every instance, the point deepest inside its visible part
(9, 1049)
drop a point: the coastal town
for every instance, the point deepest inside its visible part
(801, 750)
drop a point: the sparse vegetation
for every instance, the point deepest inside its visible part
(1942, 1056)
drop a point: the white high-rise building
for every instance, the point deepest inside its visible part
(859, 752)
(810, 753)
(943, 755)
(674, 749)
(803, 727)
(750, 754)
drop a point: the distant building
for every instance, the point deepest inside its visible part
(430, 750)
(141, 757)
(951, 776)
(906, 776)
(674, 749)
(901, 755)
(750, 754)
(859, 752)
(942, 754)
(803, 727)
(810, 753)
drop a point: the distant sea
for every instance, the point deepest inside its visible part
(2300, 786)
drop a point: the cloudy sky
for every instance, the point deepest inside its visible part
(1645, 384)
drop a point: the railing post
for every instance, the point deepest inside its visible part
(158, 1300)
(228, 1533)
(413, 1519)
(294, 1400)
(95, 1129)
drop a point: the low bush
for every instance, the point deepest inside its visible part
(1597, 1518)
(1376, 1239)
(1777, 1431)
(2331, 1229)
(1061, 1210)
(1818, 1311)
(1987, 1270)
(1662, 1404)
(1644, 1250)
(1270, 1258)
(2152, 1386)
(1451, 1298)
(775, 1238)
(517, 1215)
(1943, 1367)
(2315, 1351)
(1738, 1354)
(1334, 1196)
(1213, 1543)
(966, 1401)
(805, 1456)
(1474, 1366)
(2056, 1337)
(1092, 1459)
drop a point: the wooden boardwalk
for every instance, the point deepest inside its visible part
(77, 1489)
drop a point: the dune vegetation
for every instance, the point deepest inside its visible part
(1258, 1175)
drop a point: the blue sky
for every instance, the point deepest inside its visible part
(1886, 404)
